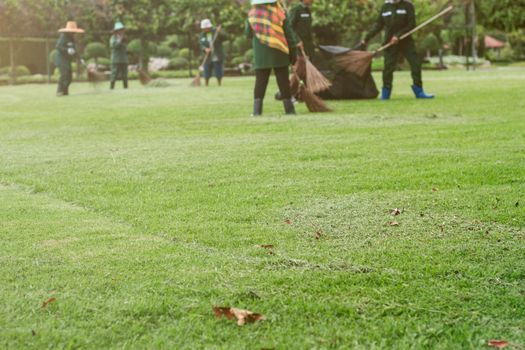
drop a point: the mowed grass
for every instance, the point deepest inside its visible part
(139, 210)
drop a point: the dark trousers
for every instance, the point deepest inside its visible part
(262, 76)
(408, 49)
(119, 71)
(66, 76)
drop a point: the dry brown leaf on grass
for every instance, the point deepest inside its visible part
(47, 302)
(242, 316)
(393, 223)
(500, 344)
(268, 248)
(396, 211)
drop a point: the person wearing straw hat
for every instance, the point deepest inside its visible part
(66, 54)
(119, 56)
(398, 17)
(214, 61)
(274, 48)
(301, 22)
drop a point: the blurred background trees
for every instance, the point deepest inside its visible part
(170, 28)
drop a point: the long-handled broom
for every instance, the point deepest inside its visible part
(359, 61)
(144, 77)
(93, 75)
(197, 80)
(313, 102)
(315, 80)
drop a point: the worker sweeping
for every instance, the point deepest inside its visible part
(301, 22)
(398, 17)
(119, 55)
(274, 48)
(210, 42)
(66, 54)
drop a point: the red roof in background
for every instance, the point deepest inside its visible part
(493, 43)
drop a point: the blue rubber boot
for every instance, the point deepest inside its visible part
(385, 93)
(420, 93)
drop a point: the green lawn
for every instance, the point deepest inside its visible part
(139, 210)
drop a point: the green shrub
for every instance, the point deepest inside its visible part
(32, 79)
(240, 45)
(164, 51)
(95, 50)
(52, 57)
(248, 56)
(20, 71)
(175, 53)
(184, 53)
(238, 60)
(102, 61)
(178, 63)
(430, 43)
(134, 47)
(507, 54)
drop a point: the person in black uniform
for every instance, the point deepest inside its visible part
(301, 21)
(398, 17)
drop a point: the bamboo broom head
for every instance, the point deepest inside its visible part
(300, 67)
(95, 77)
(313, 102)
(143, 77)
(315, 80)
(356, 62)
(196, 82)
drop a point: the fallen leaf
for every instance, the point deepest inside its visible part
(396, 211)
(242, 316)
(393, 223)
(48, 301)
(288, 222)
(500, 344)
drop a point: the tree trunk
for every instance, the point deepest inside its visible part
(12, 78)
(48, 63)
(141, 55)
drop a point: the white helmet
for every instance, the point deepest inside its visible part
(206, 24)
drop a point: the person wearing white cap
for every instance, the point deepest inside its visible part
(211, 44)
(66, 53)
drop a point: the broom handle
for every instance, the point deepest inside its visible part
(424, 24)
(304, 53)
(211, 45)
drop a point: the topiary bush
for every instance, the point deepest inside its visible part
(184, 53)
(20, 71)
(238, 60)
(178, 63)
(164, 51)
(248, 55)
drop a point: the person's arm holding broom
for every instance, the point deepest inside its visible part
(378, 27)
